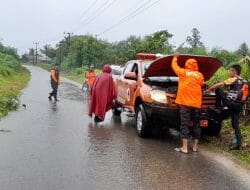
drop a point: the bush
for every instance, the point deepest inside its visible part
(7, 104)
(6, 71)
(9, 61)
(80, 70)
(220, 75)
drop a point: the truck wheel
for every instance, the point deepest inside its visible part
(116, 112)
(213, 129)
(143, 127)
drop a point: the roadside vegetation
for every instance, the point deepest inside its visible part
(13, 78)
(77, 53)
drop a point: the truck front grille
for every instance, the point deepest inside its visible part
(206, 101)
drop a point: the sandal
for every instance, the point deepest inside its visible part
(197, 149)
(180, 150)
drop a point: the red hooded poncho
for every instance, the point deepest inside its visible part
(102, 93)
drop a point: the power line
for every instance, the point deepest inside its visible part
(133, 12)
(131, 15)
(101, 11)
(103, 7)
(88, 9)
(96, 12)
(146, 5)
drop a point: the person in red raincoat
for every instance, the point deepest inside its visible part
(102, 94)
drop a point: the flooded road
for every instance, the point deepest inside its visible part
(55, 146)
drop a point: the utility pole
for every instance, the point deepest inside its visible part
(60, 52)
(33, 56)
(36, 43)
(68, 40)
(46, 52)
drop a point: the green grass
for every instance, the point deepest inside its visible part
(11, 84)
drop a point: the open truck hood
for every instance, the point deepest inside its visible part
(162, 66)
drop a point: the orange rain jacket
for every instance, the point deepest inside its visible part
(190, 83)
(54, 78)
(245, 90)
(90, 77)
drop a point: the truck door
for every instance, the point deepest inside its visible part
(126, 87)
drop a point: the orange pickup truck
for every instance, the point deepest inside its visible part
(147, 90)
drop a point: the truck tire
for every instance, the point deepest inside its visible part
(213, 129)
(143, 124)
(116, 112)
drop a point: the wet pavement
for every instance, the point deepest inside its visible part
(55, 146)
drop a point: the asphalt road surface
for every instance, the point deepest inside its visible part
(55, 146)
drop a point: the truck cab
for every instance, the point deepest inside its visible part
(147, 88)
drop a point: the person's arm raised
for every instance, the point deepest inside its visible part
(176, 68)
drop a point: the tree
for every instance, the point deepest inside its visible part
(194, 39)
(25, 58)
(158, 42)
(31, 51)
(226, 57)
(245, 64)
(243, 50)
(48, 51)
(9, 50)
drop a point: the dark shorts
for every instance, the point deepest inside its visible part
(188, 114)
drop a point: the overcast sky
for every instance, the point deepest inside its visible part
(222, 23)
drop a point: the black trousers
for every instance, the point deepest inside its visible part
(234, 107)
(188, 114)
(54, 87)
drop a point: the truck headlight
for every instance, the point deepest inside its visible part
(159, 96)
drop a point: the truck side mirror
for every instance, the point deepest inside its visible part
(130, 76)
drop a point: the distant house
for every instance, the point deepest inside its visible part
(40, 58)
(43, 59)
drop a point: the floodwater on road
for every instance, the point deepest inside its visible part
(56, 146)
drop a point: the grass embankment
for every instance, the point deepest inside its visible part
(12, 82)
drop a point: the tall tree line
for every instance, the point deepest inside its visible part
(86, 50)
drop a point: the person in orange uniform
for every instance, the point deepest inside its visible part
(55, 81)
(189, 98)
(90, 76)
(233, 99)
